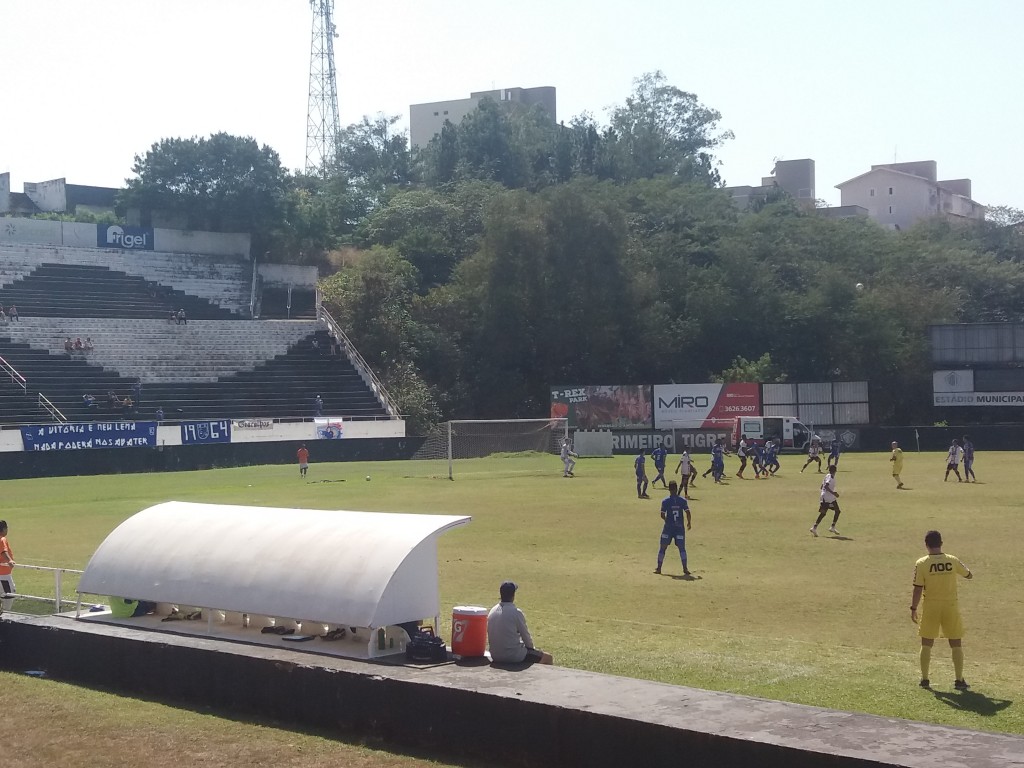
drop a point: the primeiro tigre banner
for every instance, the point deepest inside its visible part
(100, 434)
(703, 406)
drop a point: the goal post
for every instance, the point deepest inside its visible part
(476, 438)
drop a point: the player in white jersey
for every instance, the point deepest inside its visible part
(568, 455)
(829, 500)
(953, 457)
(813, 454)
(685, 468)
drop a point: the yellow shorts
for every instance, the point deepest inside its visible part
(941, 620)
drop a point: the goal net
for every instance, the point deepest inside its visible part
(476, 439)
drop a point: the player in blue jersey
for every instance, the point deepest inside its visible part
(968, 448)
(759, 469)
(639, 464)
(658, 456)
(835, 448)
(672, 510)
(718, 461)
(771, 457)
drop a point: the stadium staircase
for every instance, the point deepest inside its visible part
(217, 365)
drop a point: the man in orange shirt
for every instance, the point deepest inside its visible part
(6, 569)
(303, 456)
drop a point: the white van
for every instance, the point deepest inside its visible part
(794, 435)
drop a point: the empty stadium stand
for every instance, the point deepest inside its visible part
(219, 364)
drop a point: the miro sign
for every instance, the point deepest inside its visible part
(124, 238)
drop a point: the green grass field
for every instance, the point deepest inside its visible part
(772, 611)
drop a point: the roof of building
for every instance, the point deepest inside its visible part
(360, 569)
(889, 171)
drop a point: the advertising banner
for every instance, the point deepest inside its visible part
(622, 406)
(125, 238)
(246, 425)
(201, 432)
(696, 441)
(707, 406)
(956, 388)
(69, 437)
(330, 428)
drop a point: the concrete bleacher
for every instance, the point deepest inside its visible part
(224, 282)
(219, 364)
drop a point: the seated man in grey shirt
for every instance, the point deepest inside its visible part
(507, 633)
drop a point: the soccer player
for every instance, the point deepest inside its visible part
(771, 458)
(672, 510)
(968, 449)
(303, 456)
(685, 469)
(835, 448)
(717, 462)
(935, 579)
(741, 451)
(658, 456)
(953, 457)
(897, 463)
(567, 454)
(641, 475)
(829, 500)
(6, 570)
(813, 454)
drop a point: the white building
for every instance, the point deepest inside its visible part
(426, 120)
(898, 194)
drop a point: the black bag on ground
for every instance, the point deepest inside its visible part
(424, 646)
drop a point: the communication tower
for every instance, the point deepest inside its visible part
(322, 126)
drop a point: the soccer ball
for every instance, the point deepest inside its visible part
(859, 286)
(367, 478)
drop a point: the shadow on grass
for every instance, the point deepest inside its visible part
(681, 577)
(972, 701)
(841, 538)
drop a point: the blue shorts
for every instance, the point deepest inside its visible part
(678, 534)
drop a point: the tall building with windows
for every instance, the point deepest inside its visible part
(426, 120)
(794, 177)
(898, 194)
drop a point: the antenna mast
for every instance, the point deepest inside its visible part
(322, 126)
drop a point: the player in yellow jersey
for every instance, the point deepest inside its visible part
(897, 464)
(935, 578)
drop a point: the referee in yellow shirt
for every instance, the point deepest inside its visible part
(935, 578)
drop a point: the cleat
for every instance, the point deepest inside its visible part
(833, 530)
(644, 496)
(686, 573)
(961, 685)
(814, 532)
(657, 570)
(924, 683)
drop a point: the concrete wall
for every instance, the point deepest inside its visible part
(33, 232)
(912, 198)
(535, 716)
(283, 275)
(5, 192)
(426, 120)
(48, 195)
(208, 243)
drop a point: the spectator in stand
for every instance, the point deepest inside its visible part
(137, 391)
(112, 401)
(79, 346)
(88, 344)
(159, 413)
(316, 344)
(318, 406)
(89, 401)
(12, 313)
(172, 317)
(180, 318)
(69, 345)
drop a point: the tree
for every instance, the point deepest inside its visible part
(373, 156)
(222, 183)
(662, 129)
(761, 370)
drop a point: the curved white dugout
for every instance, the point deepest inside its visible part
(361, 569)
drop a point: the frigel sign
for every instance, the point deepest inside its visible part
(125, 238)
(703, 406)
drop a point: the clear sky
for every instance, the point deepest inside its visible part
(84, 86)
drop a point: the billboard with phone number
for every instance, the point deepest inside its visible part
(704, 406)
(615, 406)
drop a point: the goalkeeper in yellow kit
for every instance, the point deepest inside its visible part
(935, 579)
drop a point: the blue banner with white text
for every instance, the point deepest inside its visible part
(100, 434)
(202, 432)
(125, 238)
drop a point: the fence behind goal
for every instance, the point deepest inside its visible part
(475, 439)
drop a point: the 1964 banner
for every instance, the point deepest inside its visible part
(200, 432)
(71, 437)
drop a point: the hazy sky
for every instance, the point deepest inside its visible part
(87, 85)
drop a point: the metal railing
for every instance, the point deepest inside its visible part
(58, 600)
(359, 363)
(252, 293)
(16, 378)
(53, 410)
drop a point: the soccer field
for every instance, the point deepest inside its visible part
(771, 612)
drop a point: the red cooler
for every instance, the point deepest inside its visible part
(469, 630)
